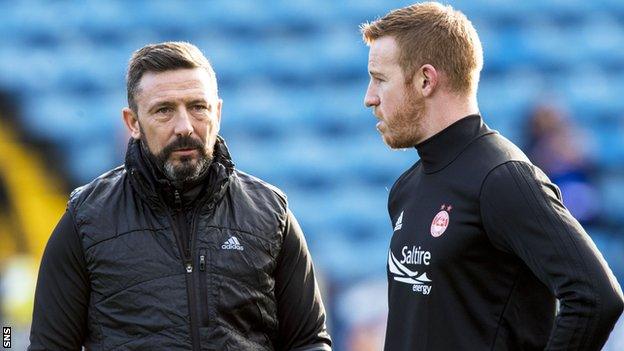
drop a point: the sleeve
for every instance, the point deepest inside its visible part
(62, 293)
(523, 214)
(300, 309)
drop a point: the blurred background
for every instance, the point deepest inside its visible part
(293, 75)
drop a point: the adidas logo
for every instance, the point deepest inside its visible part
(232, 244)
(399, 222)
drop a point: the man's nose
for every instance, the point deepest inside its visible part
(371, 99)
(183, 125)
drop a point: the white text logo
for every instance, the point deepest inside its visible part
(420, 283)
(232, 244)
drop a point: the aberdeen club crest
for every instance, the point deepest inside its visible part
(441, 221)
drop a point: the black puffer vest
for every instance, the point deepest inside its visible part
(151, 290)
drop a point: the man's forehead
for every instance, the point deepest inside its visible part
(196, 82)
(175, 79)
(383, 51)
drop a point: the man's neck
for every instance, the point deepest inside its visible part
(445, 109)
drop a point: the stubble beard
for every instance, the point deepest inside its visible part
(186, 171)
(405, 125)
(187, 168)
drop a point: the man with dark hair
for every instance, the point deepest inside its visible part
(482, 244)
(176, 249)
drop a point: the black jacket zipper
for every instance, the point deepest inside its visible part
(181, 232)
(203, 288)
(205, 280)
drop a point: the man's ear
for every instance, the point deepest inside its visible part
(131, 120)
(426, 80)
(218, 111)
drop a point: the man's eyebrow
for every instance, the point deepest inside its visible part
(198, 101)
(373, 73)
(158, 104)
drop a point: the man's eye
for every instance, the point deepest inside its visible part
(164, 110)
(200, 107)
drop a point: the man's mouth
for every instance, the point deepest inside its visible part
(186, 151)
(377, 116)
(379, 121)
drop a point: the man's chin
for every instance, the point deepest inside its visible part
(181, 172)
(184, 169)
(397, 144)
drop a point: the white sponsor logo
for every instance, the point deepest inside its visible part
(399, 222)
(232, 244)
(415, 255)
(420, 282)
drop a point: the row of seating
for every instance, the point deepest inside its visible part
(589, 90)
(334, 112)
(249, 15)
(335, 55)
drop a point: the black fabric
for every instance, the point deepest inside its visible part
(483, 247)
(61, 302)
(205, 271)
(556, 249)
(441, 149)
(298, 324)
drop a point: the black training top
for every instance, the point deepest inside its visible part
(482, 247)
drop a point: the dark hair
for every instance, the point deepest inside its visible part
(163, 57)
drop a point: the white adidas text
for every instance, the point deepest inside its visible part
(232, 244)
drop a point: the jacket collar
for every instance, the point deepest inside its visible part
(151, 184)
